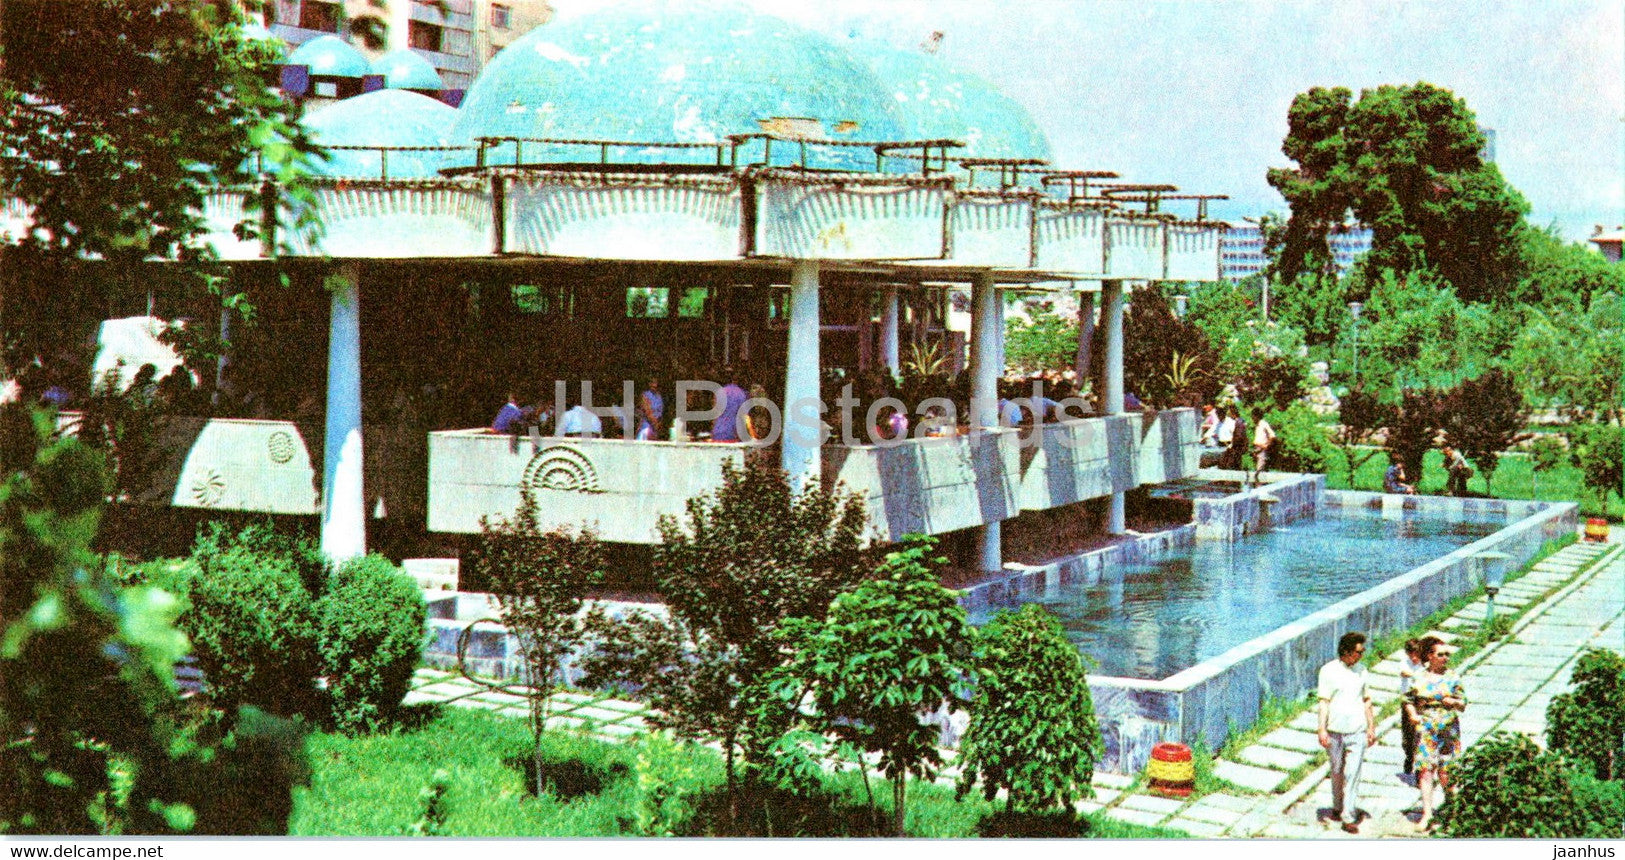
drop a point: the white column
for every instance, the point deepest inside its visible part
(986, 348)
(1086, 337)
(799, 455)
(344, 524)
(1111, 297)
(888, 331)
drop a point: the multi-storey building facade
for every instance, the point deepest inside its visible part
(1241, 249)
(458, 37)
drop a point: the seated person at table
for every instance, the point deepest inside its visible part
(511, 417)
(1393, 481)
(578, 420)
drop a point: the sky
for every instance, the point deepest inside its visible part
(1195, 93)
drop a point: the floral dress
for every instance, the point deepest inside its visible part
(1439, 735)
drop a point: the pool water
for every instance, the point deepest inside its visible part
(1153, 620)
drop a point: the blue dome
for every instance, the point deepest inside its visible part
(936, 100)
(405, 70)
(692, 72)
(383, 118)
(332, 56)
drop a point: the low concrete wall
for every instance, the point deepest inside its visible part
(1072, 461)
(1169, 447)
(931, 486)
(620, 486)
(1238, 514)
(1204, 702)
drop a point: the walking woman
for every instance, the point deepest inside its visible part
(1436, 700)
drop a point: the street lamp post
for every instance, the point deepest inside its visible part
(1179, 305)
(1491, 569)
(1354, 309)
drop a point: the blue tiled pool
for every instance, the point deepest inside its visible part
(1153, 620)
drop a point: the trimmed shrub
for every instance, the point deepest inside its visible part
(1032, 730)
(1589, 723)
(371, 640)
(1508, 787)
(253, 627)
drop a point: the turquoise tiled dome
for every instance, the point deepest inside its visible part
(936, 100)
(405, 70)
(383, 118)
(332, 56)
(675, 72)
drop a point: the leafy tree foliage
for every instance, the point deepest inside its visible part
(1302, 443)
(1599, 451)
(1484, 417)
(1508, 787)
(1360, 414)
(120, 171)
(1573, 359)
(1405, 161)
(893, 648)
(1417, 333)
(1414, 429)
(1588, 722)
(1155, 344)
(540, 579)
(751, 555)
(1043, 342)
(1563, 276)
(87, 685)
(1032, 732)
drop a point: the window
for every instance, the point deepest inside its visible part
(316, 15)
(692, 303)
(424, 37)
(501, 16)
(647, 302)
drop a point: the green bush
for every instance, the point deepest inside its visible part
(1301, 442)
(252, 622)
(302, 556)
(1588, 723)
(1508, 787)
(371, 640)
(1032, 730)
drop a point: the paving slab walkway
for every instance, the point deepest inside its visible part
(1509, 684)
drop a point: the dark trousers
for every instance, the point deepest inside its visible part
(1457, 485)
(1408, 740)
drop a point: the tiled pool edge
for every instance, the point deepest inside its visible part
(1202, 703)
(1286, 496)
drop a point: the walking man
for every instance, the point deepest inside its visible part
(1347, 726)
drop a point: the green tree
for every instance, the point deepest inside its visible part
(1032, 730)
(1484, 417)
(1573, 359)
(1588, 722)
(1042, 342)
(1155, 346)
(751, 555)
(1405, 160)
(1417, 333)
(540, 579)
(1599, 451)
(889, 650)
(1507, 787)
(93, 736)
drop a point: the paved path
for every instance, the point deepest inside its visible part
(1508, 686)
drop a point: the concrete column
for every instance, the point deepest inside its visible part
(889, 313)
(799, 455)
(1086, 337)
(344, 523)
(986, 350)
(1111, 297)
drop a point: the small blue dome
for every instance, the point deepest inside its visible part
(331, 56)
(936, 100)
(405, 70)
(675, 71)
(383, 118)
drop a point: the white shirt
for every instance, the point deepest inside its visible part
(1263, 434)
(1227, 430)
(1345, 689)
(580, 421)
(1407, 675)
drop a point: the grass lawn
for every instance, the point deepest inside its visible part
(1514, 479)
(373, 786)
